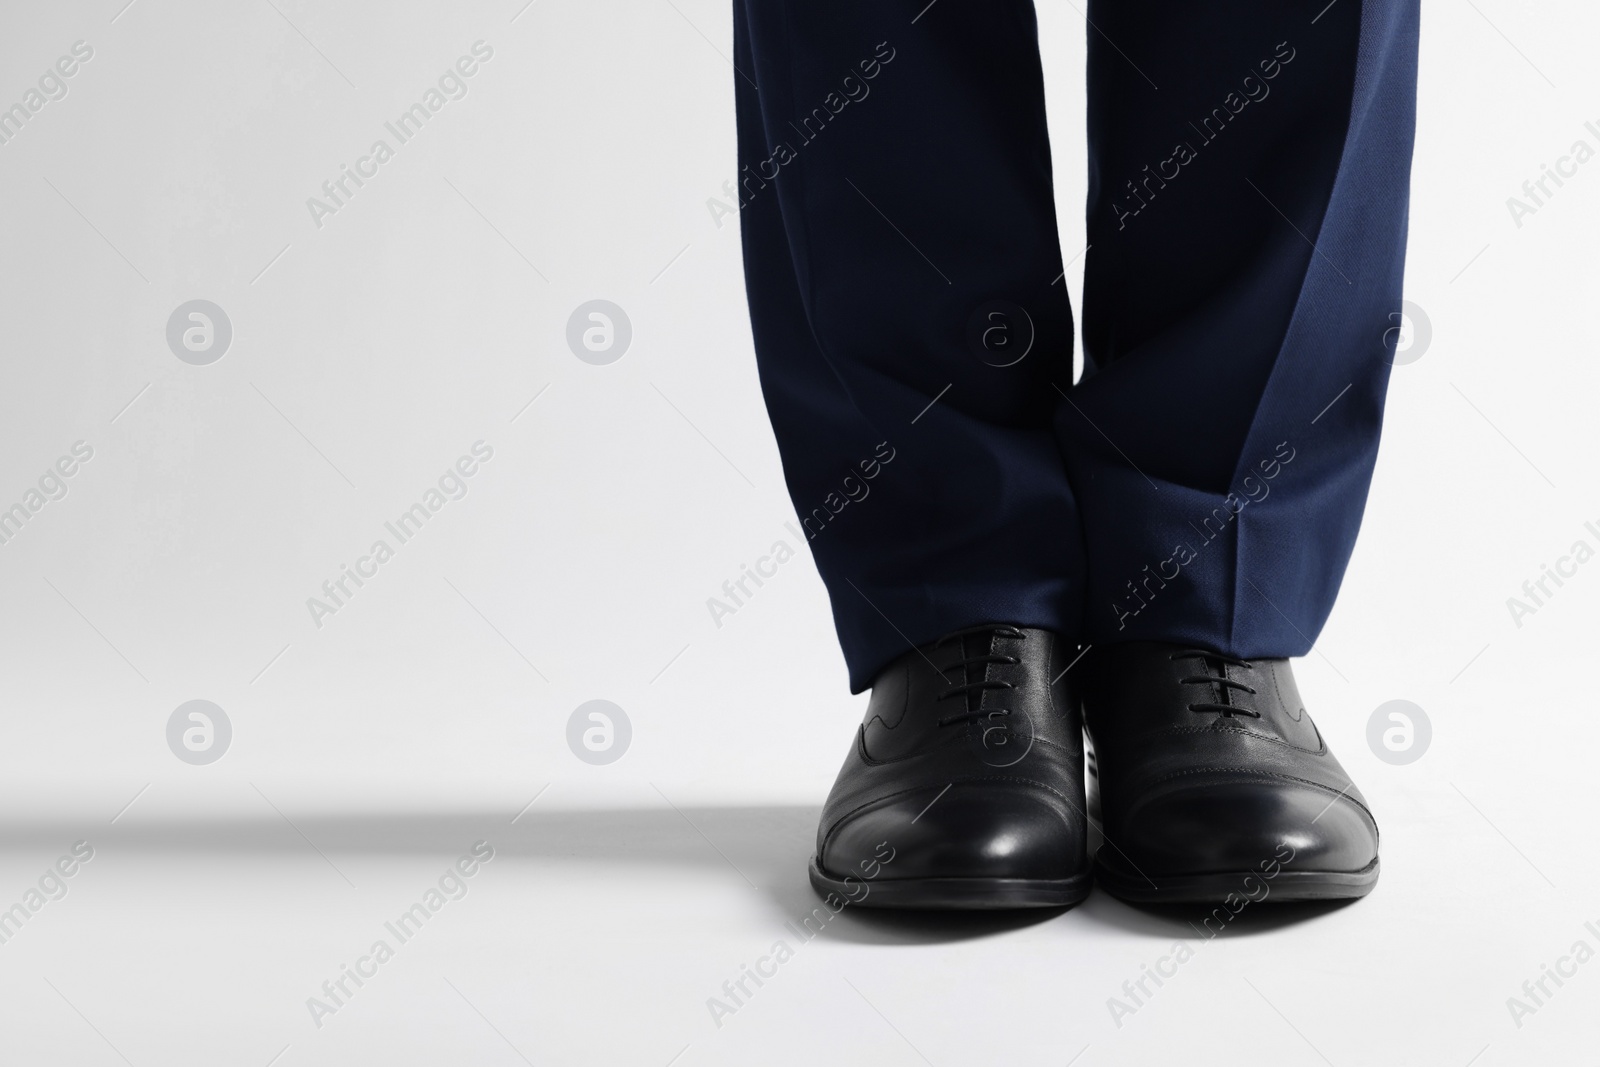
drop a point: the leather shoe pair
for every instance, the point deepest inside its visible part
(965, 786)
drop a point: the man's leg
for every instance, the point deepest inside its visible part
(1249, 171)
(895, 183)
(1248, 188)
(900, 245)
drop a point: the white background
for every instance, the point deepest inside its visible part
(369, 353)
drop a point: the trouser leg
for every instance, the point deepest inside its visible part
(1249, 168)
(900, 241)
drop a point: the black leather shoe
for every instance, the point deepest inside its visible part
(964, 788)
(1213, 780)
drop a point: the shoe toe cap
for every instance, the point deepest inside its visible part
(1245, 826)
(965, 830)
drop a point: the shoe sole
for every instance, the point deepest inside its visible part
(1217, 887)
(954, 894)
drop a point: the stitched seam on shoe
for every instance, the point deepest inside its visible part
(958, 739)
(864, 805)
(1300, 713)
(954, 781)
(1321, 750)
(1049, 665)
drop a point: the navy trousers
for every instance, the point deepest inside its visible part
(1204, 481)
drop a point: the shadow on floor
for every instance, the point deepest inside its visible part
(768, 846)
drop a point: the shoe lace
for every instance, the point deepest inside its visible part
(968, 687)
(1206, 656)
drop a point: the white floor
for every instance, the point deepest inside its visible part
(370, 749)
(206, 922)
